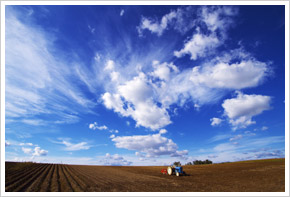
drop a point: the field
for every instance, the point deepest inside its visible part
(248, 176)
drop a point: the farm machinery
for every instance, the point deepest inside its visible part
(177, 170)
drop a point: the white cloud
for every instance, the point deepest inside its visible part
(264, 128)
(215, 121)
(163, 131)
(115, 160)
(122, 12)
(218, 18)
(247, 73)
(114, 131)
(34, 122)
(92, 30)
(97, 57)
(138, 103)
(39, 152)
(152, 145)
(155, 26)
(163, 71)
(95, 126)
(241, 109)
(73, 147)
(237, 137)
(110, 65)
(112, 136)
(26, 150)
(198, 46)
(26, 144)
(196, 106)
(128, 123)
(7, 143)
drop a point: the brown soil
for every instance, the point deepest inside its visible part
(249, 176)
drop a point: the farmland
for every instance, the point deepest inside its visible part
(249, 176)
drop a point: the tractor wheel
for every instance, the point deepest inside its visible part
(169, 171)
(177, 173)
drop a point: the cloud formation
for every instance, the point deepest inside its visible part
(73, 147)
(95, 126)
(37, 151)
(215, 121)
(152, 145)
(241, 109)
(115, 160)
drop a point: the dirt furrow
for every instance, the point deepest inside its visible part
(54, 182)
(71, 177)
(22, 174)
(15, 172)
(46, 183)
(35, 186)
(64, 183)
(21, 185)
(82, 179)
(98, 183)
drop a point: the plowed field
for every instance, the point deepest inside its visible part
(250, 176)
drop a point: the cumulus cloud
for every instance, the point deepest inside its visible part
(247, 73)
(241, 109)
(152, 145)
(218, 18)
(163, 71)
(198, 46)
(163, 131)
(215, 121)
(134, 98)
(115, 160)
(95, 126)
(37, 151)
(156, 26)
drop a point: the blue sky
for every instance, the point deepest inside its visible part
(144, 85)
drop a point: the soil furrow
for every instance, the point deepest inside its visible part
(21, 185)
(54, 182)
(35, 186)
(74, 183)
(21, 175)
(13, 185)
(45, 186)
(64, 183)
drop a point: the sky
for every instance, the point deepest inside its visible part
(144, 85)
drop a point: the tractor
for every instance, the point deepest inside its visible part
(177, 170)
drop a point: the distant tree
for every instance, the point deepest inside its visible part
(189, 163)
(200, 162)
(177, 163)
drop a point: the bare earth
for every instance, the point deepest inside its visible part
(248, 176)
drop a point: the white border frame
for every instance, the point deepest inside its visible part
(4, 3)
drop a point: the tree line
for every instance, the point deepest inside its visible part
(199, 162)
